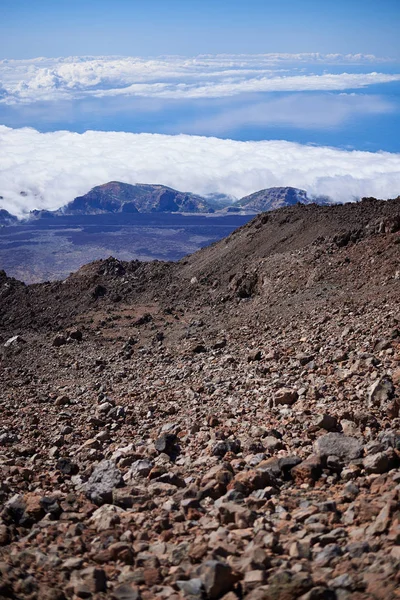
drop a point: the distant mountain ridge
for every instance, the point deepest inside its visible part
(119, 197)
(6, 218)
(278, 197)
(116, 197)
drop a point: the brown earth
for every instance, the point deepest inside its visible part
(222, 427)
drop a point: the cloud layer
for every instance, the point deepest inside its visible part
(44, 79)
(50, 169)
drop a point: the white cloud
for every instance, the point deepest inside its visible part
(53, 168)
(177, 77)
(230, 87)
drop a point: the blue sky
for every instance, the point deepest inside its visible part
(314, 74)
(153, 27)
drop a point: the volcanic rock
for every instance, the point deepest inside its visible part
(336, 444)
(132, 467)
(218, 578)
(286, 396)
(381, 391)
(101, 483)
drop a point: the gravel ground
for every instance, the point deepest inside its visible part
(225, 427)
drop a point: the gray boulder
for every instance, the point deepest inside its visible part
(218, 578)
(139, 468)
(102, 481)
(192, 588)
(381, 391)
(346, 448)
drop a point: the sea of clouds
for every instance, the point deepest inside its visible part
(207, 76)
(50, 169)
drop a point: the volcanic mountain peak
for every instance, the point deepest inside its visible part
(6, 218)
(277, 197)
(115, 197)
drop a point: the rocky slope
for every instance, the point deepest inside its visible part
(223, 427)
